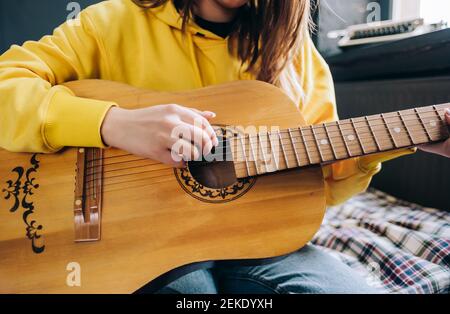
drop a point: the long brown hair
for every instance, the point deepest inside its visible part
(266, 37)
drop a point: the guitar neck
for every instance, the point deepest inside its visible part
(330, 142)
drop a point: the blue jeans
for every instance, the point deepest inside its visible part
(308, 270)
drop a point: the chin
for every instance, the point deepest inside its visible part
(232, 4)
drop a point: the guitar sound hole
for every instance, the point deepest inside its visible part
(214, 175)
(215, 171)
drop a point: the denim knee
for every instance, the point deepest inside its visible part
(197, 282)
(308, 270)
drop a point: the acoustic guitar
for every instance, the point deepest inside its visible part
(87, 220)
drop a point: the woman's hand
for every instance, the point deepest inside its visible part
(164, 133)
(442, 149)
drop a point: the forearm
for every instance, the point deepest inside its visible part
(38, 115)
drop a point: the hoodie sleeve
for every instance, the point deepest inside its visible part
(37, 114)
(347, 178)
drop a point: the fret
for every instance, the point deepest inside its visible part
(323, 141)
(347, 147)
(365, 135)
(247, 165)
(423, 124)
(253, 154)
(283, 150)
(417, 133)
(406, 127)
(397, 130)
(306, 146)
(322, 159)
(330, 141)
(262, 152)
(381, 131)
(294, 148)
(390, 131)
(317, 154)
(336, 142)
(290, 153)
(275, 159)
(432, 122)
(301, 142)
(359, 137)
(351, 138)
(443, 128)
(442, 107)
(437, 113)
(373, 133)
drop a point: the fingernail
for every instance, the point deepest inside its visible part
(447, 111)
(210, 114)
(216, 142)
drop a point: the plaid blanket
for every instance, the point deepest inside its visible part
(397, 246)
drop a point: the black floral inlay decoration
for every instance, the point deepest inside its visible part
(204, 193)
(20, 191)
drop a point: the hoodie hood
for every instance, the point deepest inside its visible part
(202, 46)
(169, 14)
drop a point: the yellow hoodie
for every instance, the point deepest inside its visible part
(116, 40)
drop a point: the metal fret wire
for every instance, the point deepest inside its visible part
(420, 119)
(288, 153)
(307, 151)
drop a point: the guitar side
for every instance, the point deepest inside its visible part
(159, 225)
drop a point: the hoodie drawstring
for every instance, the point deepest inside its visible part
(193, 56)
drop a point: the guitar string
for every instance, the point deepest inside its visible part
(335, 149)
(265, 143)
(128, 161)
(420, 119)
(142, 185)
(150, 180)
(168, 176)
(281, 146)
(304, 140)
(348, 122)
(90, 185)
(170, 171)
(371, 131)
(332, 147)
(237, 168)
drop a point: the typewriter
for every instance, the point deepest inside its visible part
(385, 31)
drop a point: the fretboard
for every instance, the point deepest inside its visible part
(280, 150)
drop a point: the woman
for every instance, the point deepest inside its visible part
(176, 45)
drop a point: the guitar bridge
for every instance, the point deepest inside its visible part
(88, 194)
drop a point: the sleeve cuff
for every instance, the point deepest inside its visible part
(74, 122)
(372, 163)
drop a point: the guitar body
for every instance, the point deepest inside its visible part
(155, 222)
